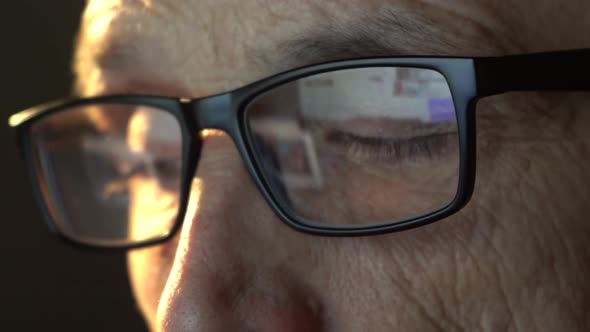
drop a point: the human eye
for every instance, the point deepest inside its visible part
(378, 146)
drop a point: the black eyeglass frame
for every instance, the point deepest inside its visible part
(469, 80)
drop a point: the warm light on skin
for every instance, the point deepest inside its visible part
(154, 131)
(141, 263)
(98, 25)
(153, 135)
(211, 133)
(97, 20)
(172, 287)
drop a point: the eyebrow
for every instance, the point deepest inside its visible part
(388, 32)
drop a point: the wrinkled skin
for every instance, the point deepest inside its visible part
(516, 258)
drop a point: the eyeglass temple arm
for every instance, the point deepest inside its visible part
(558, 71)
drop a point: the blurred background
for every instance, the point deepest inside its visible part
(46, 284)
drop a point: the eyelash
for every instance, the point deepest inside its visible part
(375, 149)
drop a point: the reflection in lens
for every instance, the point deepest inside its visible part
(100, 164)
(360, 146)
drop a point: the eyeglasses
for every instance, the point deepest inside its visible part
(346, 148)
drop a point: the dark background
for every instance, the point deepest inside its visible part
(46, 284)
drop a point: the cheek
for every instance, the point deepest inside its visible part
(149, 268)
(153, 209)
(148, 273)
(154, 203)
(538, 182)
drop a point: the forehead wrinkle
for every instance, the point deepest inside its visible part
(124, 39)
(388, 31)
(179, 49)
(146, 35)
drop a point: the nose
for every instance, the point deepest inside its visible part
(232, 267)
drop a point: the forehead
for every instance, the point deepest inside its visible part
(201, 47)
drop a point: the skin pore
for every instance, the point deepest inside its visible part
(516, 258)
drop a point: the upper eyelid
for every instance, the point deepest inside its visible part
(370, 140)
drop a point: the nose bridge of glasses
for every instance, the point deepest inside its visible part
(212, 112)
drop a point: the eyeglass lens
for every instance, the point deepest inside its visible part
(358, 147)
(110, 174)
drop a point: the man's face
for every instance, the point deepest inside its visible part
(516, 258)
